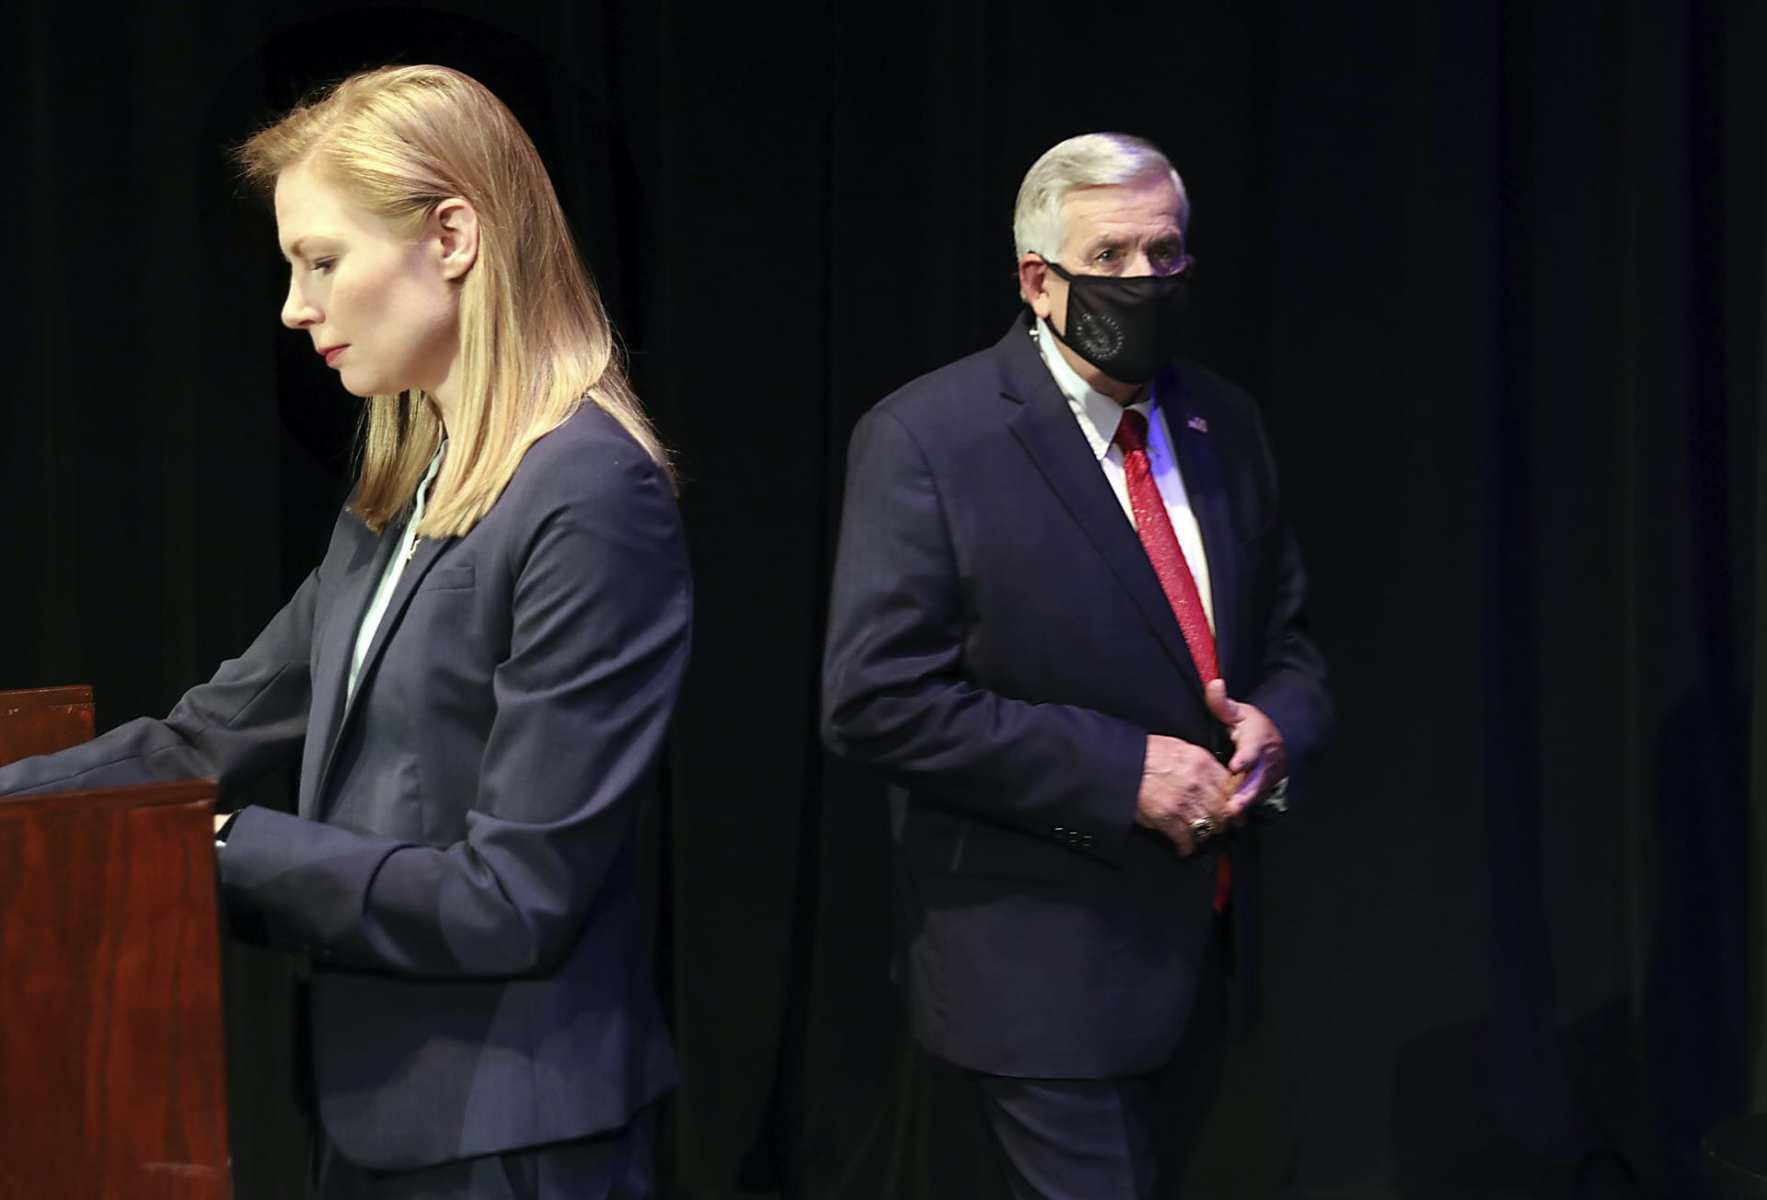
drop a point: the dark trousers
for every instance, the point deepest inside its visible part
(611, 1166)
(1127, 1138)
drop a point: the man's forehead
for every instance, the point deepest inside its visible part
(1141, 202)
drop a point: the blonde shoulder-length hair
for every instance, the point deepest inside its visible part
(535, 341)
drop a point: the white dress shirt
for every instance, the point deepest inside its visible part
(389, 578)
(1099, 417)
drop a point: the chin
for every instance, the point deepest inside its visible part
(363, 387)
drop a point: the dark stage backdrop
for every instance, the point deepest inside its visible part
(1496, 272)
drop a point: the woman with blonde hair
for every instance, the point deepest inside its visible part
(475, 680)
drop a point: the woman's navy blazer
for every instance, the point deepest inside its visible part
(460, 873)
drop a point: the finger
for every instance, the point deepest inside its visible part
(1250, 753)
(1222, 707)
(1182, 839)
(1229, 818)
(1250, 788)
(1218, 807)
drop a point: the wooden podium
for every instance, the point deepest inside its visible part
(112, 1073)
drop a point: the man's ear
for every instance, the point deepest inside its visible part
(455, 226)
(1033, 284)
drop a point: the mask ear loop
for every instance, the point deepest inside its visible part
(1063, 273)
(1054, 266)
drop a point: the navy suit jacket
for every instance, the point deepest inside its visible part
(461, 869)
(999, 647)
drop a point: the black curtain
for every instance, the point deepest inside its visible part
(1496, 273)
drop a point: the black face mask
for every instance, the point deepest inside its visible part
(1129, 326)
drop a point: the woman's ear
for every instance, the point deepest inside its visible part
(455, 227)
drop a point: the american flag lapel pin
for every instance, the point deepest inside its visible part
(1198, 424)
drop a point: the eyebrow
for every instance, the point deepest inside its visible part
(294, 249)
(1111, 241)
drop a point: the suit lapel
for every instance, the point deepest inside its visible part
(1045, 426)
(423, 557)
(333, 708)
(331, 660)
(1200, 464)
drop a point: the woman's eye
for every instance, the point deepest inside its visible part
(324, 265)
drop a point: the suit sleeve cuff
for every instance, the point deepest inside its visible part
(226, 828)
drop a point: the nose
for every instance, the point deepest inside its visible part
(297, 311)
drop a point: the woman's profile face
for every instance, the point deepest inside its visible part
(379, 303)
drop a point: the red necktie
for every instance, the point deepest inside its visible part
(1154, 525)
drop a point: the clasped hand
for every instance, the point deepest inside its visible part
(1182, 783)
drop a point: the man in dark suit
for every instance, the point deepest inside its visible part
(1067, 624)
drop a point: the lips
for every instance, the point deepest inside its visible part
(330, 354)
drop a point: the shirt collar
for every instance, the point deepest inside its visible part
(1097, 413)
(429, 476)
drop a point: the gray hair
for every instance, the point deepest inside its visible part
(1089, 160)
